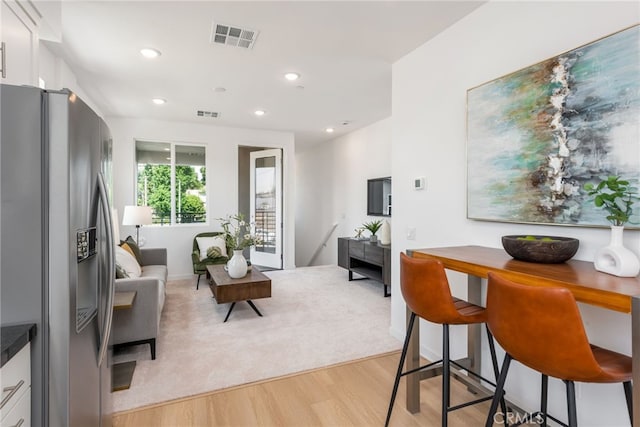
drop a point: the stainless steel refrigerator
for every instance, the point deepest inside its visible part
(57, 245)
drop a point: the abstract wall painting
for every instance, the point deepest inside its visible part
(536, 136)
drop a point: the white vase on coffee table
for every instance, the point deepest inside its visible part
(237, 265)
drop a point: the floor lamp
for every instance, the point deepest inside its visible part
(137, 215)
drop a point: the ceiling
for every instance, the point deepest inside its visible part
(343, 52)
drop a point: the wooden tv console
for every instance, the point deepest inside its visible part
(373, 261)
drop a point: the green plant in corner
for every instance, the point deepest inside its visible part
(373, 226)
(616, 196)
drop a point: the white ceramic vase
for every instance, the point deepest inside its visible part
(385, 233)
(615, 258)
(237, 265)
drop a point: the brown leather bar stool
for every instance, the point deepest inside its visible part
(426, 291)
(542, 329)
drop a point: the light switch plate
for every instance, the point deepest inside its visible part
(419, 183)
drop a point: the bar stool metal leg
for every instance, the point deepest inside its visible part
(496, 372)
(446, 383)
(571, 404)
(499, 390)
(628, 394)
(543, 398)
(544, 393)
(403, 355)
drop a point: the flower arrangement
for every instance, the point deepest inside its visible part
(237, 232)
(615, 196)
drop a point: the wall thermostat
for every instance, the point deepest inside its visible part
(418, 183)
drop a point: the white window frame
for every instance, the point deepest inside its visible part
(172, 163)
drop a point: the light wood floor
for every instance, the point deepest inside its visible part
(351, 394)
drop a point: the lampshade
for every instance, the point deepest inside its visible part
(137, 215)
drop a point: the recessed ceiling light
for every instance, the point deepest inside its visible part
(259, 112)
(292, 76)
(159, 101)
(150, 53)
(329, 130)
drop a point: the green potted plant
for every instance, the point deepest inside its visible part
(617, 197)
(373, 227)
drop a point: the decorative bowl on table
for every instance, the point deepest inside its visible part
(541, 249)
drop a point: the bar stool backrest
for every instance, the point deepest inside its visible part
(426, 291)
(541, 327)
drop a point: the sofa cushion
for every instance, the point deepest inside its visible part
(127, 248)
(204, 243)
(135, 249)
(214, 252)
(121, 273)
(157, 272)
(128, 262)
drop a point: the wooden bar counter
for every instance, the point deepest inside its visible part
(588, 285)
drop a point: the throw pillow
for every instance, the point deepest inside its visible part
(204, 243)
(127, 248)
(134, 247)
(128, 262)
(121, 273)
(213, 252)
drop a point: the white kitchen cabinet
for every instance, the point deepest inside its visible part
(19, 37)
(15, 383)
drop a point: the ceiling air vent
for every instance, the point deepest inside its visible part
(209, 114)
(233, 36)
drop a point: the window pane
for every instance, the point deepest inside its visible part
(154, 179)
(265, 204)
(191, 195)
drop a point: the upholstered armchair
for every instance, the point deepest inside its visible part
(201, 258)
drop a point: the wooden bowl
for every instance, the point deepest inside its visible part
(541, 249)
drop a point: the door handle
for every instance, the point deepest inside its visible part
(12, 391)
(105, 331)
(3, 48)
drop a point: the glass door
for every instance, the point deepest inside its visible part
(266, 207)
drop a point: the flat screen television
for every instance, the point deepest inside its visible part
(379, 196)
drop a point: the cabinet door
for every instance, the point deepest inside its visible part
(386, 269)
(374, 254)
(343, 252)
(20, 38)
(20, 414)
(356, 249)
(15, 380)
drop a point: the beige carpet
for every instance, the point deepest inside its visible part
(315, 318)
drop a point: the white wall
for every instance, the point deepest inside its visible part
(429, 101)
(222, 180)
(58, 75)
(332, 188)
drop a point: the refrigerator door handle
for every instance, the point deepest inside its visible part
(105, 329)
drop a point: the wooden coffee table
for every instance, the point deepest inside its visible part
(227, 290)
